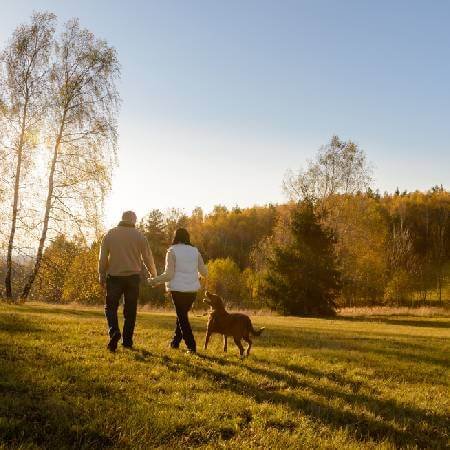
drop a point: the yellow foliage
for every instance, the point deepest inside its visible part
(81, 284)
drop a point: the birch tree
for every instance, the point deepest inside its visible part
(82, 134)
(339, 168)
(25, 63)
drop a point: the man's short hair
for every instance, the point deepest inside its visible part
(129, 216)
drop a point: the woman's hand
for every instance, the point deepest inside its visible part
(151, 282)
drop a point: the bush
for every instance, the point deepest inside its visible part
(81, 283)
(224, 279)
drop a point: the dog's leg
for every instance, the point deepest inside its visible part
(238, 343)
(208, 335)
(247, 339)
(225, 343)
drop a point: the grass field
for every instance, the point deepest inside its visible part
(352, 382)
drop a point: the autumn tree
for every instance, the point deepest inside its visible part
(440, 236)
(360, 224)
(81, 281)
(234, 233)
(56, 262)
(174, 218)
(425, 217)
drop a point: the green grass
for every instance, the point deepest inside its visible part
(310, 383)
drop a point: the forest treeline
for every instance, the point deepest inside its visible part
(387, 250)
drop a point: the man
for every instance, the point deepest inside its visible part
(123, 250)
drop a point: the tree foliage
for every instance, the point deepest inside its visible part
(339, 168)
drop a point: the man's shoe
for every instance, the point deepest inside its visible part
(191, 351)
(128, 346)
(174, 345)
(112, 344)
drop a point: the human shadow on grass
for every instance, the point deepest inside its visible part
(364, 427)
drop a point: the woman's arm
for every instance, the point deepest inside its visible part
(169, 270)
(202, 270)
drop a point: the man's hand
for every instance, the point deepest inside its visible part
(102, 281)
(151, 282)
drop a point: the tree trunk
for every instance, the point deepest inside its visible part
(8, 277)
(48, 206)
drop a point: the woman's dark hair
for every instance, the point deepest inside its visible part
(181, 236)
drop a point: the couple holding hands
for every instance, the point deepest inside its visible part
(124, 248)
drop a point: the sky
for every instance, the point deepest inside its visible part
(219, 99)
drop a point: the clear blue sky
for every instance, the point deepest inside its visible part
(220, 98)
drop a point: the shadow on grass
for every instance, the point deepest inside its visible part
(35, 414)
(13, 323)
(390, 347)
(376, 425)
(431, 425)
(413, 322)
(53, 309)
(41, 398)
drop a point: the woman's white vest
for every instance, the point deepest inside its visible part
(186, 269)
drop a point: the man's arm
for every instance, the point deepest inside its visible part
(103, 260)
(147, 257)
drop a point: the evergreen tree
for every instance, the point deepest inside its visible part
(302, 278)
(153, 227)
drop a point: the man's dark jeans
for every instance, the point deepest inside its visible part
(183, 302)
(128, 286)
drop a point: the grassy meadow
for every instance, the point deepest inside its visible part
(350, 382)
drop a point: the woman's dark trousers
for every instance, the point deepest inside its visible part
(128, 286)
(183, 302)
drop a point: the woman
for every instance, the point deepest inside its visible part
(184, 263)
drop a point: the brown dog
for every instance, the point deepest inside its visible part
(228, 324)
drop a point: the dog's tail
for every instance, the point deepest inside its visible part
(256, 332)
